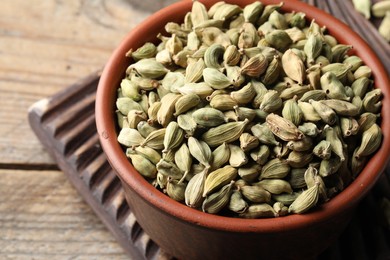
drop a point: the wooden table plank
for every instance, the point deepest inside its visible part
(46, 46)
(43, 217)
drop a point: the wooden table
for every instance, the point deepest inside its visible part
(46, 45)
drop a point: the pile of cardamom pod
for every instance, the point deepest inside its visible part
(248, 112)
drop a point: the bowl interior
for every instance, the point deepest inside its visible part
(147, 31)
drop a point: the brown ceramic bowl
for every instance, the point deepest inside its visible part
(191, 234)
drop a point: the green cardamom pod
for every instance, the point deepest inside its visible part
(194, 71)
(274, 169)
(305, 201)
(327, 114)
(271, 101)
(143, 166)
(264, 134)
(155, 139)
(248, 142)
(173, 136)
(208, 117)
(292, 112)
(238, 157)
(176, 189)
(228, 132)
(200, 150)
(275, 186)
(255, 66)
(165, 113)
(262, 210)
(293, 66)
(149, 68)
(309, 129)
(256, 194)
(185, 103)
(219, 178)
(249, 172)
(130, 137)
(372, 102)
(201, 89)
(194, 190)
(218, 200)
(323, 150)
(261, 155)
(371, 141)
(283, 128)
(237, 203)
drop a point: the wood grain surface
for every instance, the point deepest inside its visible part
(44, 47)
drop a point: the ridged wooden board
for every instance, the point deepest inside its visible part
(65, 124)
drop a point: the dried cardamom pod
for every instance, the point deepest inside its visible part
(228, 132)
(213, 55)
(183, 160)
(244, 95)
(299, 159)
(231, 55)
(143, 166)
(130, 90)
(292, 112)
(330, 166)
(271, 101)
(252, 12)
(194, 71)
(280, 209)
(198, 13)
(267, 11)
(173, 136)
(279, 39)
(245, 113)
(248, 142)
(366, 120)
(125, 105)
(148, 50)
(305, 201)
(219, 178)
(201, 89)
(187, 123)
(155, 139)
(130, 137)
(176, 189)
(215, 78)
(274, 169)
(297, 178)
(275, 186)
(335, 142)
(238, 157)
(293, 66)
(261, 155)
(283, 128)
(371, 101)
(309, 129)
(349, 126)
(237, 203)
(313, 47)
(371, 140)
(208, 117)
(294, 90)
(308, 111)
(362, 71)
(151, 154)
(264, 134)
(262, 210)
(360, 86)
(305, 144)
(226, 11)
(165, 113)
(220, 156)
(278, 20)
(200, 150)
(255, 194)
(323, 150)
(217, 201)
(169, 169)
(255, 66)
(194, 190)
(185, 103)
(333, 87)
(285, 198)
(341, 107)
(327, 114)
(144, 128)
(149, 68)
(249, 172)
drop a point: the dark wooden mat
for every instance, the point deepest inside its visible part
(65, 124)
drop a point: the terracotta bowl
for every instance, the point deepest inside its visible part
(191, 234)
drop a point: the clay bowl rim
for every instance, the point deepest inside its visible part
(344, 201)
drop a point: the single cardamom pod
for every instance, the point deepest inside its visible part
(226, 11)
(261, 155)
(264, 134)
(194, 71)
(187, 123)
(217, 201)
(274, 169)
(309, 129)
(165, 113)
(233, 73)
(169, 169)
(200, 150)
(335, 142)
(314, 75)
(330, 166)
(313, 48)
(193, 42)
(292, 112)
(173, 136)
(340, 70)
(298, 20)
(299, 159)
(354, 61)
(183, 160)
(278, 39)
(176, 189)
(295, 34)
(357, 163)
(155, 139)
(148, 50)
(285, 198)
(208, 117)
(220, 156)
(327, 114)
(262, 210)
(174, 45)
(294, 90)
(275, 186)
(308, 111)
(244, 95)
(144, 128)
(134, 117)
(256, 194)
(371, 101)
(201, 89)
(371, 141)
(323, 150)
(252, 12)
(255, 66)
(271, 101)
(231, 56)
(333, 87)
(213, 55)
(248, 36)
(194, 190)
(360, 86)
(243, 113)
(149, 68)
(151, 154)
(211, 35)
(198, 13)
(305, 201)
(228, 132)
(143, 166)
(130, 90)
(130, 137)
(305, 144)
(185, 103)
(273, 71)
(219, 178)
(237, 203)
(362, 71)
(278, 20)
(249, 172)
(238, 157)
(366, 120)
(283, 128)
(248, 142)
(125, 105)
(215, 78)
(293, 66)
(349, 126)
(280, 209)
